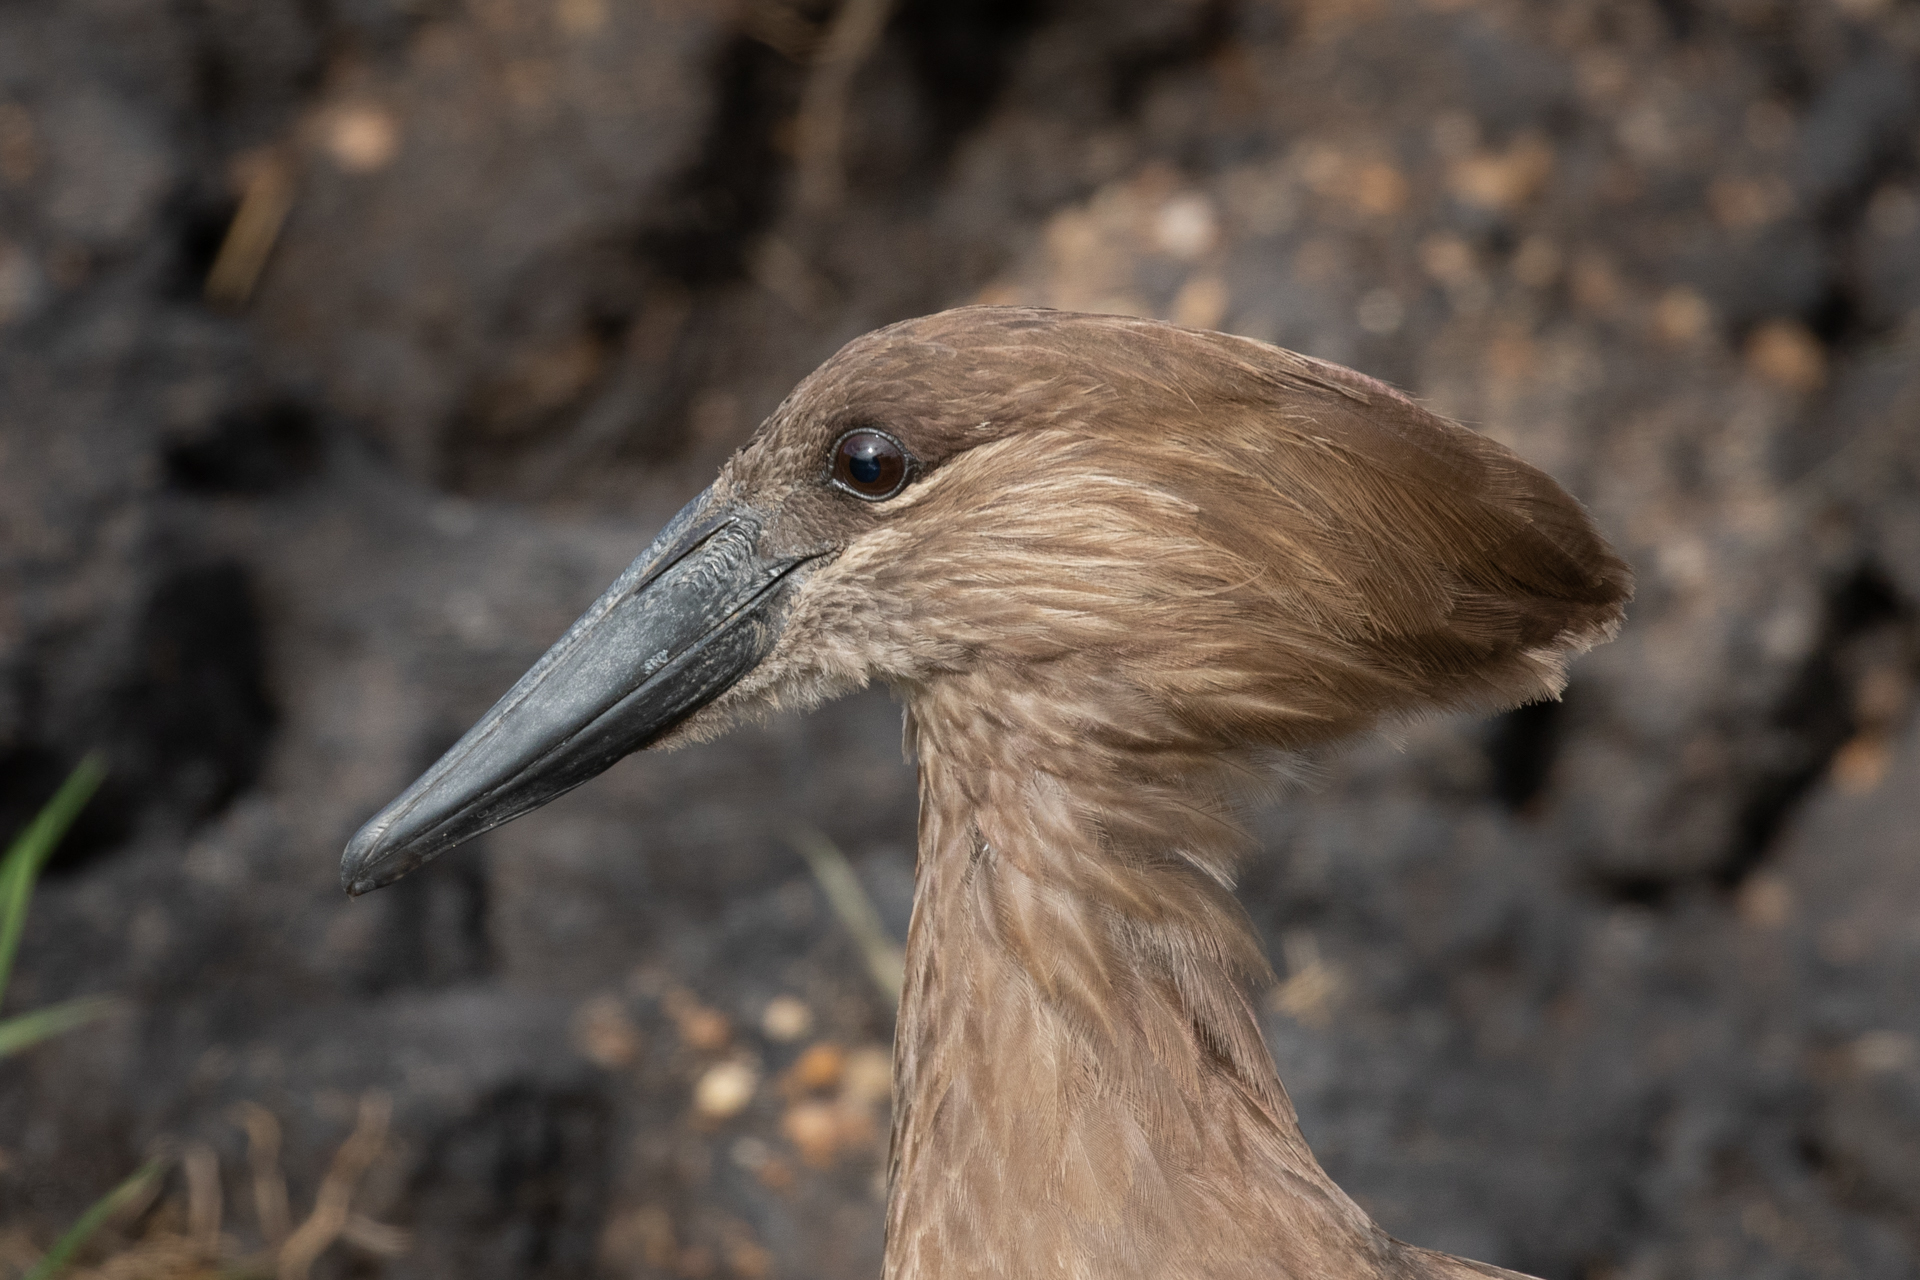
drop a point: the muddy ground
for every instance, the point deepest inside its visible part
(348, 347)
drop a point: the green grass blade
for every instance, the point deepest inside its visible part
(27, 1029)
(60, 1257)
(31, 849)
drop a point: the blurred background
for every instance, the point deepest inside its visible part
(349, 347)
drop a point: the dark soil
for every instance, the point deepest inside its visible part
(1628, 986)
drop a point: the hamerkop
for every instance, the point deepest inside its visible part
(1108, 565)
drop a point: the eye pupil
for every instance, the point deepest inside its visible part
(869, 464)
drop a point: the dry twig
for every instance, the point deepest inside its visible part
(263, 1158)
(821, 127)
(777, 26)
(202, 1167)
(331, 1206)
(856, 910)
(265, 199)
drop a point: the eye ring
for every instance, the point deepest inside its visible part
(870, 464)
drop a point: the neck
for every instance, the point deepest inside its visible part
(1081, 1088)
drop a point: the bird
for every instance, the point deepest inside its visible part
(1114, 569)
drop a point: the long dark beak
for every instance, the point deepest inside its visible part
(693, 614)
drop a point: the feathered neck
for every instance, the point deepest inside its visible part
(1081, 1088)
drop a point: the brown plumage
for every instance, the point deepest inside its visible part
(1130, 559)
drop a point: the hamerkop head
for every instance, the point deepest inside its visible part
(1106, 563)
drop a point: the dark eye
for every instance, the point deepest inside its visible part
(869, 464)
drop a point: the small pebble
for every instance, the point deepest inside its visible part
(786, 1019)
(703, 1029)
(603, 1033)
(724, 1090)
(814, 1130)
(362, 138)
(817, 1070)
(868, 1077)
(748, 1260)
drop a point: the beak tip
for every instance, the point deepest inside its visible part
(357, 878)
(363, 853)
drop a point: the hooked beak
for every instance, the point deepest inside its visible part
(685, 621)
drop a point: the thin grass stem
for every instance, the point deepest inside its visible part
(60, 1257)
(23, 1031)
(28, 854)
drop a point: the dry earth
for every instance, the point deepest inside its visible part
(347, 347)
